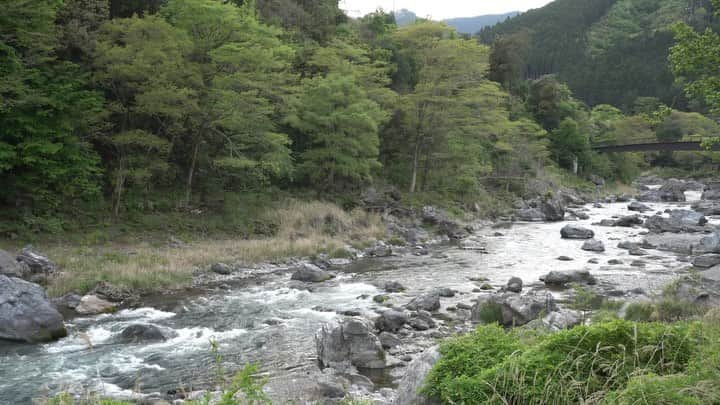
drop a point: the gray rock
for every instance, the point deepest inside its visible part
(706, 260)
(393, 287)
(221, 268)
(684, 243)
(563, 319)
(26, 314)
(552, 209)
(638, 263)
(711, 191)
(426, 302)
(709, 244)
(593, 245)
(515, 284)
(417, 371)
(137, 333)
(627, 245)
(67, 301)
(514, 309)
(614, 262)
(310, 273)
(673, 224)
(10, 267)
(562, 278)
(629, 221)
(380, 250)
(113, 293)
(529, 215)
(391, 321)
(565, 258)
(350, 342)
(638, 206)
(707, 207)
(689, 217)
(419, 324)
(388, 340)
(381, 298)
(576, 232)
(444, 292)
(36, 262)
(93, 305)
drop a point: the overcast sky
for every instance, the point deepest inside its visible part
(441, 9)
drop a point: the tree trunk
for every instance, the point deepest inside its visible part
(191, 173)
(119, 185)
(416, 158)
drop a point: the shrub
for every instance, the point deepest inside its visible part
(573, 366)
(639, 312)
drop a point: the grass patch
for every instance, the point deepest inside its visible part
(302, 229)
(613, 362)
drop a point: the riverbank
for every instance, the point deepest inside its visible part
(404, 299)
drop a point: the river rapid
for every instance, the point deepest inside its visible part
(262, 316)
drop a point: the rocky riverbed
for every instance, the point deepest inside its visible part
(368, 327)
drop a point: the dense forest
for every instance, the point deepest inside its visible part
(607, 51)
(112, 108)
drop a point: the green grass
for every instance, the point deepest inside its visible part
(614, 362)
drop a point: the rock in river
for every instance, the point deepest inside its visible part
(144, 333)
(515, 284)
(576, 232)
(426, 302)
(639, 207)
(561, 278)
(350, 342)
(93, 305)
(593, 245)
(707, 260)
(310, 273)
(26, 314)
(391, 321)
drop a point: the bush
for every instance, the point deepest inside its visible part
(639, 312)
(578, 365)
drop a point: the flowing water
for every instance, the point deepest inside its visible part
(272, 320)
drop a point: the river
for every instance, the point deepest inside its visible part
(269, 319)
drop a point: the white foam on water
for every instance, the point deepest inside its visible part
(693, 195)
(192, 339)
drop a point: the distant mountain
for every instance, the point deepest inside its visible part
(405, 17)
(464, 25)
(472, 25)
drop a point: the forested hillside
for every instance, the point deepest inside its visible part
(608, 51)
(114, 109)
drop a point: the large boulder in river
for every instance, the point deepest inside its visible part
(638, 207)
(26, 314)
(711, 191)
(593, 245)
(562, 278)
(352, 342)
(707, 207)
(426, 302)
(684, 243)
(511, 309)
(576, 232)
(706, 260)
(10, 267)
(391, 321)
(672, 191)
(552, 209)
(709, 244)
(529, 215)
(310, 273)
(414, 379)
(679, 221)
(629, 221)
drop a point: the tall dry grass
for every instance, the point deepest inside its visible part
(303, 229)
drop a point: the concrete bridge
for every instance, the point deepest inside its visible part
(651, 144)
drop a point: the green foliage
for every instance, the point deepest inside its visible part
(583, 364)
(341, 125)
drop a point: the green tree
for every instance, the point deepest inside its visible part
(142, 65)
(569, 145)
(341, 124)
(47, 112)
(246, 84)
